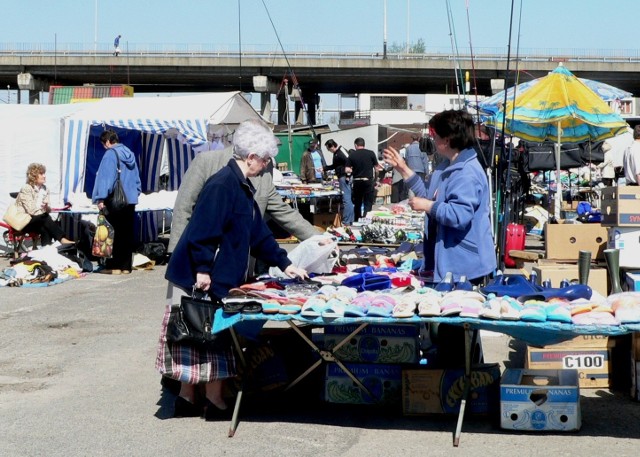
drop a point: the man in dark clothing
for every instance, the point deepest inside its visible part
(364, 165)
(340, 165)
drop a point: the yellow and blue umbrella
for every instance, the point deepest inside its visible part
(558, 108)
(491, 105)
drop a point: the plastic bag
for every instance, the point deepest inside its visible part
(103, 239)
(312, 256)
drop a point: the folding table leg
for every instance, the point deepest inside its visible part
(236, 409)
(470, 337)
(328, 356)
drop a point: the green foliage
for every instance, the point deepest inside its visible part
(419, 47)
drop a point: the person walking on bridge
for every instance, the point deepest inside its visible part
(116, 46)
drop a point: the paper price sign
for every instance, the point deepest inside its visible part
(583, 361)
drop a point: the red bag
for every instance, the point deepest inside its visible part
(514, 240)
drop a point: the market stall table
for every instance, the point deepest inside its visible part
(535, 333)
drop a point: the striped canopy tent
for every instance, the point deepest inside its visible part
(176, 126)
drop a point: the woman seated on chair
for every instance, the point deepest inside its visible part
(33, 198)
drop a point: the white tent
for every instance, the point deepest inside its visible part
(179, 126)
(59, 136)
(31, 133)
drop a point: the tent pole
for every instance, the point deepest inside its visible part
(558, 199)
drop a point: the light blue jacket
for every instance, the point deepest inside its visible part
(463, 242)
(416, 159)
(106, 177)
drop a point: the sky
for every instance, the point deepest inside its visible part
(339, 25)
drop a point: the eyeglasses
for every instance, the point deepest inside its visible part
(264, 161)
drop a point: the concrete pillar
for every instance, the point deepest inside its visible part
(312, 104)
(34, 97)
(282, 109)
(299, 113)
(265, 105)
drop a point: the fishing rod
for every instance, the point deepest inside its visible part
(454, 49)
(500, 227)
(294, 79)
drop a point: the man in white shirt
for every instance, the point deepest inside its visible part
(632, 160)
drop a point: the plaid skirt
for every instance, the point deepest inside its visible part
(190, 364)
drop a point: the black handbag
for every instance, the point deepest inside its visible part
(118, 199)
(191, 323)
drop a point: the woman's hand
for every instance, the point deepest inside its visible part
(203, 281)
(295, 272)
(100, 205)
(393, 158)
(420, 204)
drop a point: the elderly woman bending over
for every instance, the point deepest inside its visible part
(225, 229)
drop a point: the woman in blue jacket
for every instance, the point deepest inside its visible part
(456, 202)
(225, 229)
(118, 159)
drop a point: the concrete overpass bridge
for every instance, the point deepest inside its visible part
(200, 68)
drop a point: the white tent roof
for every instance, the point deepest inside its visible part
(56, 135)
(190, 117)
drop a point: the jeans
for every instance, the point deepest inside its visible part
(347, 204)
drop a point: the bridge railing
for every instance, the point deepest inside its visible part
(208, 50)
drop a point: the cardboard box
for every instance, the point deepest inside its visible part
(383, 381)
(587, 342)
(323, 220)
(556, 272)
(565, 241)
(375, 343)
(540, 400)
(592, 364)
(620, 206)
(437, 391)
(627, 240)
(632, 281)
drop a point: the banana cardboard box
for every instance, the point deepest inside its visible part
(540, 400)
(438, 391)
(383, 382)
(376, 343)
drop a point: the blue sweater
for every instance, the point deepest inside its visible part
(106, 177)
(225, 228)
(463, 242)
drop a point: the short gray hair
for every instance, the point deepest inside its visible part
(254, 137)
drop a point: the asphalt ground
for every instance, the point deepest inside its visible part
(77, 378)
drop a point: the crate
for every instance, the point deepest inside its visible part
(376, 343)
(620, 206)
(565, 241)
(627, 240)
(540, 400)
(592, 364)
(384, 382)
(439, 391)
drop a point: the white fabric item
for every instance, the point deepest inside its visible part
(312, 256)
(50, 255)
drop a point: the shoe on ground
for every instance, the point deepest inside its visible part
(108, 271)
(184, 408)
(170, 385)
(125, 272)
(212, 413)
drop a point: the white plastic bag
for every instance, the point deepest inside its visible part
(312, 256)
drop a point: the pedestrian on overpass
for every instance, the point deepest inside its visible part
(116, 46)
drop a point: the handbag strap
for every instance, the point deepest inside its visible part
(118, 166)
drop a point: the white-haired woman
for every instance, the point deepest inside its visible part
(226, 227)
